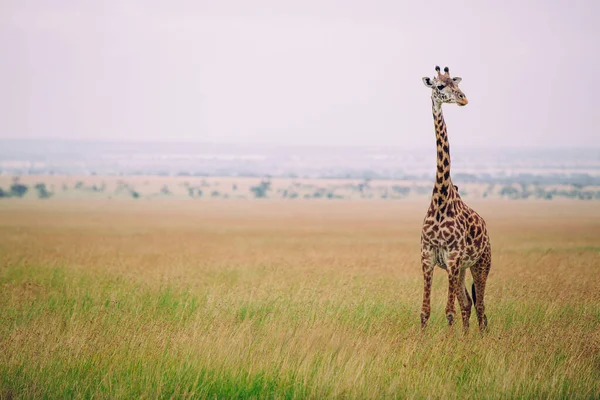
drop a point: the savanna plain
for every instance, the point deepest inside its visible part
(288, 299)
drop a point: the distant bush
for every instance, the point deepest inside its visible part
(43, 193)
(509, 191)
(96, 188)
(18, 189)
(489, 190)
(194, 192)
(79, 185)
(364, 186)
(3, 193)
(260, 191)
(332, 195)
(215, 193)
(135, 194)
(165, 190)
(402, 190)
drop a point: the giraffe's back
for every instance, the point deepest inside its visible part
(476, 242)
(455, 232)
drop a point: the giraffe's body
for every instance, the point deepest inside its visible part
(454, 236)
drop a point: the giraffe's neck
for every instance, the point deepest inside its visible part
(443, 183)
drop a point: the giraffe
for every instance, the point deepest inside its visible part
(454, 236)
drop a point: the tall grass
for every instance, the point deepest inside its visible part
(279, 300)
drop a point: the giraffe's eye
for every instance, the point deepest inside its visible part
(440, 87)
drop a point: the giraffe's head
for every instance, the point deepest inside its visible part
(444, 89)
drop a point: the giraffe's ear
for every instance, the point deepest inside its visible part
(427, 82)
(457, 80)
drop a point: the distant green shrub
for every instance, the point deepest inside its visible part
(18, 189)
(43, 193)
(364, 186)
(260, 191)
(401, 190)
(332, 195)
(509, 191)
(194, 192)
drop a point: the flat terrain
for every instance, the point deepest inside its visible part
(288, 299)
(211, 188)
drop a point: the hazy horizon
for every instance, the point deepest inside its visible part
(323, 73)
(192, 141)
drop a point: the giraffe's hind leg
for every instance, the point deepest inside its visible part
(464, 299)
(480, 273)
(454, 290)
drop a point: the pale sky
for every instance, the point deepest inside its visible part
(299, 72)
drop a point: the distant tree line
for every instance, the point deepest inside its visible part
(19, 190)
(296, 190)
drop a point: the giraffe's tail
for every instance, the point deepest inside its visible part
(473, 294)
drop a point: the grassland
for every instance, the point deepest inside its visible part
(276, 299)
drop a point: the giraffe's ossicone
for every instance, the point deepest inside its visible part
(454, 237)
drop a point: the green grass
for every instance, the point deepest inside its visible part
(72, 334)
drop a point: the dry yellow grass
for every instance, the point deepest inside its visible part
(288, 299)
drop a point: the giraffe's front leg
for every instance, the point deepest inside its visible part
(453, 275)
(427, 264)
(464, 300)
